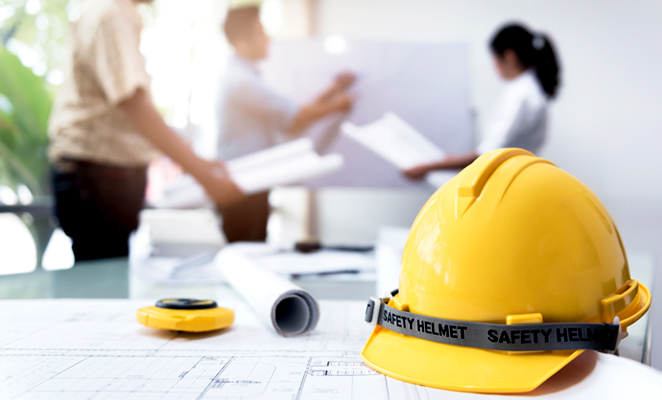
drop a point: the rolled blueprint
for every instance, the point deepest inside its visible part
(286, 164)
(288, 308)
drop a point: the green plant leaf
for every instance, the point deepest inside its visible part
(27, 94)
(15, 171)
(24, 125)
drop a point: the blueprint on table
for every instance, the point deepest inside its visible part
(94, 349)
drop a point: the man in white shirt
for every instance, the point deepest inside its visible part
(252, 117)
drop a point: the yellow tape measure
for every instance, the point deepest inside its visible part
(188, 315)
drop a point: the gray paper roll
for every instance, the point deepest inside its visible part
(289, 309)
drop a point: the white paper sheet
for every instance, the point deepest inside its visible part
(321, 262)
(395, 141)
(288, 171)
(288, 262)
(280, 303)
(286, 164)
(184, 192)
(271, 155)
(94, 349)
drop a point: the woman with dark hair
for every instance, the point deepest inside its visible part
(528, 63)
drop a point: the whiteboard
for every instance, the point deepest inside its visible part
(426, 84)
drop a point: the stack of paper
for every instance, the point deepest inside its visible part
(290, 163)
(176, 247)
(395, 141)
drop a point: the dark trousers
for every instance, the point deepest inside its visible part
(247, 220)
(98, 206)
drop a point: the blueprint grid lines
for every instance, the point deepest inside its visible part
(202, 395)
(94, 349)
(303, 381)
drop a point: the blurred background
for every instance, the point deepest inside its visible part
(605, 126)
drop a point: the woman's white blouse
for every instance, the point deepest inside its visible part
(519, 119)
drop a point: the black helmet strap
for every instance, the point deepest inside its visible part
(523, 337)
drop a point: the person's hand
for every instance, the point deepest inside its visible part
(417, 172)
(345, 79)
(342, 102)
(218, 184)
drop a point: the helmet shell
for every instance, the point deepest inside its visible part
(534, 240)
(511, 235)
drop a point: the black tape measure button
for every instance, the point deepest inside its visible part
(186, 304)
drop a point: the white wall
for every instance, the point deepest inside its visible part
(606, 127)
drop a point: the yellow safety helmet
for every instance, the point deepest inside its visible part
(511, 270)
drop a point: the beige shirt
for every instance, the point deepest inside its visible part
(104, 68)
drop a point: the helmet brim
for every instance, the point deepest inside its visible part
(637, 308)
(463, 369)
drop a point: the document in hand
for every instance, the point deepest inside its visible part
(289, 163)
(286, 164)
(395, 141)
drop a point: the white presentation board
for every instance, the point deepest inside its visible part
(426, 84)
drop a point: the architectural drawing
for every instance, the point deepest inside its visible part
(94, 349)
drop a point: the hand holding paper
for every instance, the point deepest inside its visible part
(395, 141)
(218, 185)
(289, 163)
(402, 146)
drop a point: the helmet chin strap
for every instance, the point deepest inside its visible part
(522, 337)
